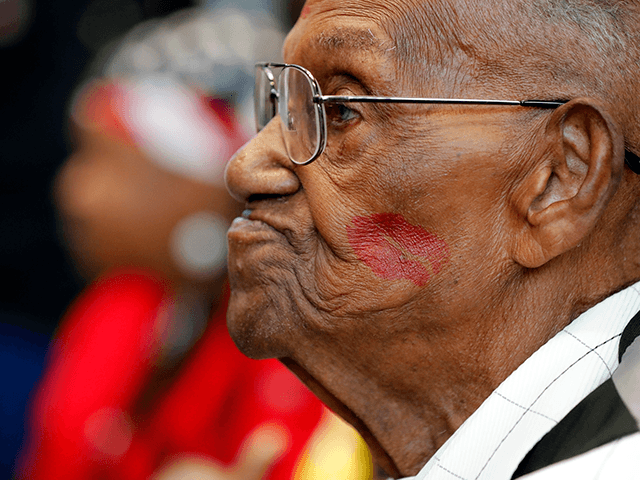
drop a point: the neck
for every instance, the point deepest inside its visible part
(427, 385)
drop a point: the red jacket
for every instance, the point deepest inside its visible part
(86, 416)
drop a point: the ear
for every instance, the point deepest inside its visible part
(562, 198)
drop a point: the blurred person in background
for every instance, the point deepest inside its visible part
(143, 380)
(44, 47)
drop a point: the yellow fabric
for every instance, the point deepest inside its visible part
(335, 452)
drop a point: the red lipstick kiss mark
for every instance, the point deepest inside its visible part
(305, 11)
(395, 249)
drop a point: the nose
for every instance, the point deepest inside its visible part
(262, 167)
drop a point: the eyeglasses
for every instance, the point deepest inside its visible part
(300, 103)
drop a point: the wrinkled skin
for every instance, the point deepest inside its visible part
(406, 364)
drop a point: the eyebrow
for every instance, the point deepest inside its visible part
(349, 38)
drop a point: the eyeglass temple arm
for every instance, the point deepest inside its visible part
(632, 160)
(366, 99)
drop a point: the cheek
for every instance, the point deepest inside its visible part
(395, 249)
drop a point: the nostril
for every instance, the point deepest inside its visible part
(262, 178)
(262, 170)
(260, 197)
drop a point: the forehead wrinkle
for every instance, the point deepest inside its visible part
(407, 26)
(349, 38)
(364, 51)
(431, 46)
(369, 34)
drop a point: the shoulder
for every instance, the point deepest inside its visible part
(602, 428)
(617, 459)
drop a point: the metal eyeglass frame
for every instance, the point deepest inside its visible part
(319, 100)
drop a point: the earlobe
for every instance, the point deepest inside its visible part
(578, 173)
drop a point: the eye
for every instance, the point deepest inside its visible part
(340, 116)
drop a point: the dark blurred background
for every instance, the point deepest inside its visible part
(45, 49)
(42, 64)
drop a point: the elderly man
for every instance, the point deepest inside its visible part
(441, 234)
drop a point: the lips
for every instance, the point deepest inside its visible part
(245, 230)
(395, 249)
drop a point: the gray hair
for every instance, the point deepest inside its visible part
(601, 21)
(540, 48)
(612, 28)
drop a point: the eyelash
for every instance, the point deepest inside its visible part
(336, 113)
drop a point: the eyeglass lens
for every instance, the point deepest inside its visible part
(299, 115)
(264, 105)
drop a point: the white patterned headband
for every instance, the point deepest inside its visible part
(177, 127)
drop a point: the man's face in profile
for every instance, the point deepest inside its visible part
(345, 268)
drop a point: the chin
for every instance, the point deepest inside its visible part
(263, 315)
(251, 327)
